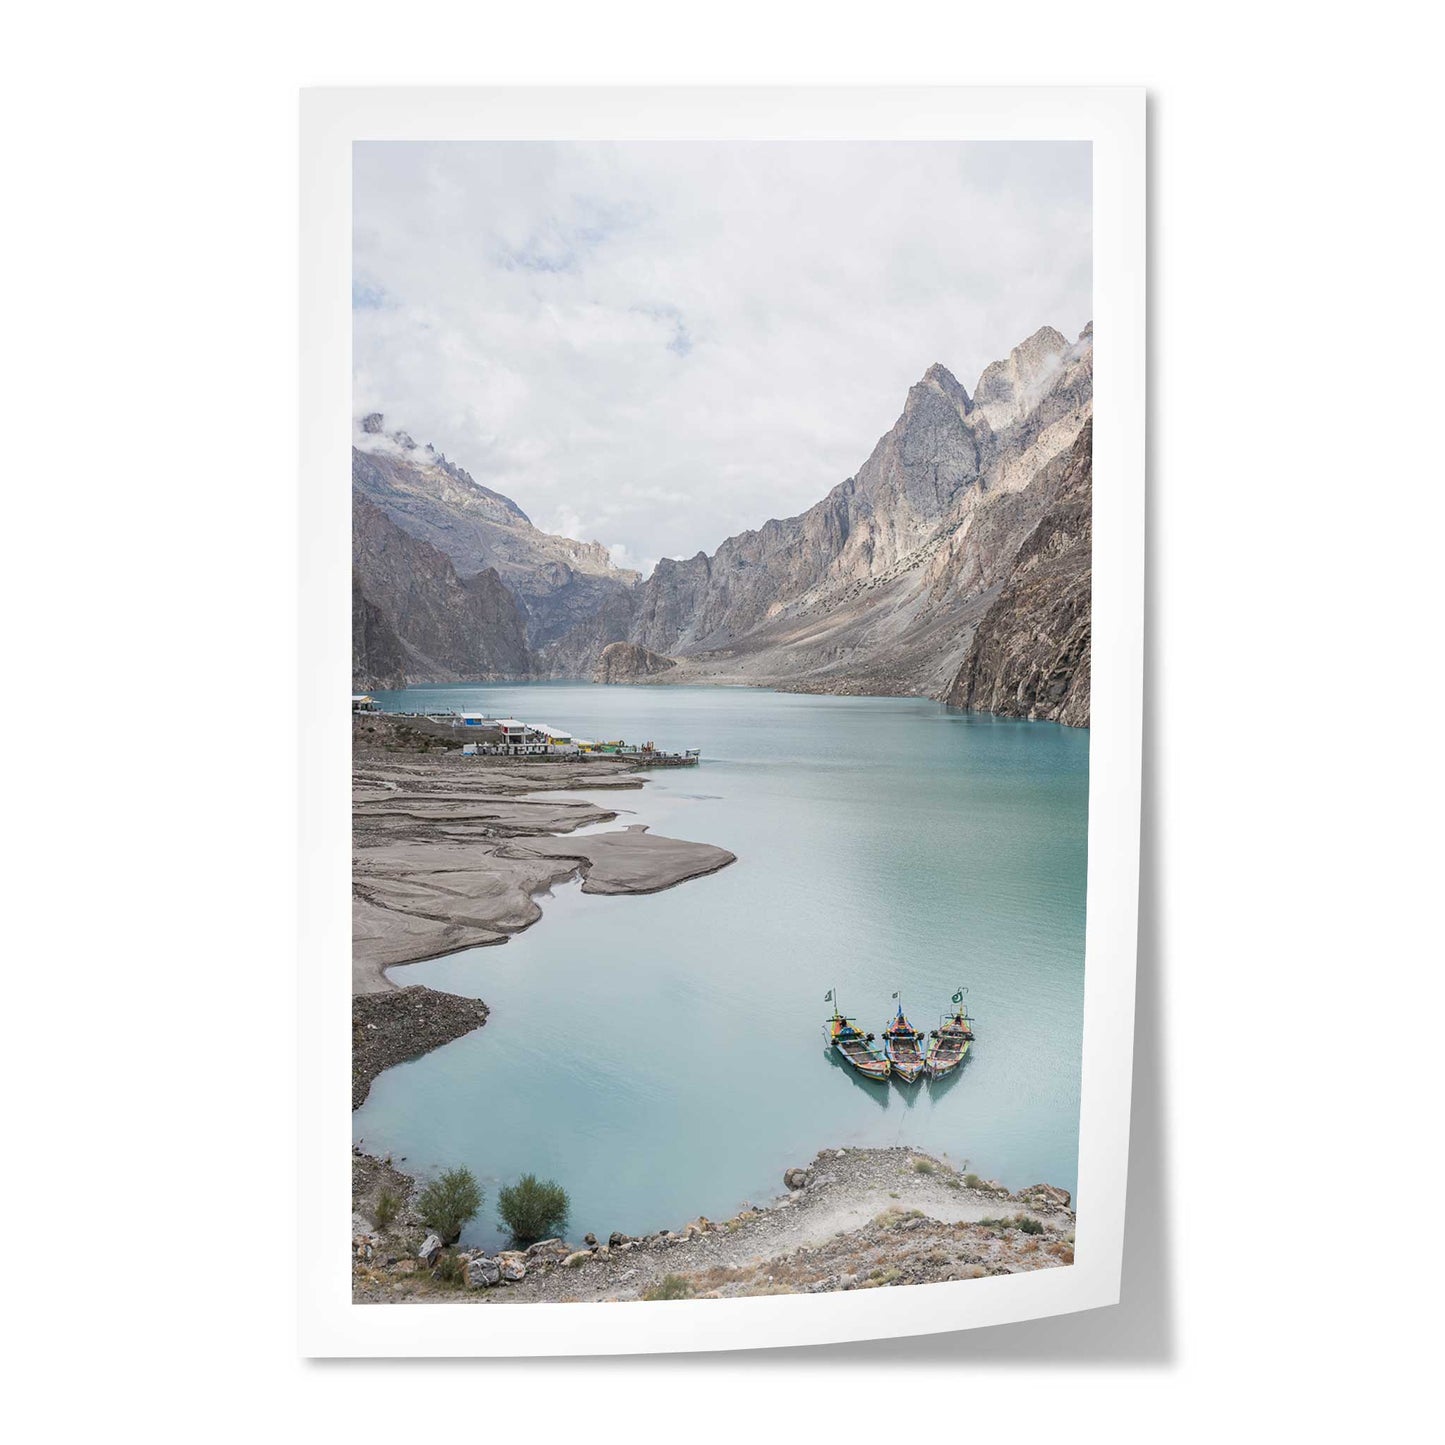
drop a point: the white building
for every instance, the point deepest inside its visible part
(558, 742)
(521, 739)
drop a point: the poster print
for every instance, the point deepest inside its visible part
(722, 622)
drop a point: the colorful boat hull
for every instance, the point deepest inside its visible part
(853, 1047)
(903, 1048)
(949, 1045)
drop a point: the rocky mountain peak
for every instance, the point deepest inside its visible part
(1010, 388)
(940, 380)
(371, 423)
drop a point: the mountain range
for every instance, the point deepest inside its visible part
(954, 564)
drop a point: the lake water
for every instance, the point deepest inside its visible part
(662, 1056)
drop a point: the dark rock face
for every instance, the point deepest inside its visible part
(418, 618)
(627, 662)
(378, 659)
(1031, 653)
(559, 583)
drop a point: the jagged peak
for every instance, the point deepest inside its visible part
(1045, 339)
(940, 379)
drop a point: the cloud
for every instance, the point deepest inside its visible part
(664, 343)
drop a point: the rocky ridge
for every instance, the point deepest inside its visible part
(558, 582)
(880, 587)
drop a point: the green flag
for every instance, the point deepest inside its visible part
(957, 998)
(828, 997)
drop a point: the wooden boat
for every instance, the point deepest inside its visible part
(948, 1043)
(856, 1047)
(903, 1048)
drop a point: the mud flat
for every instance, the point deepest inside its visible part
(450, 852)
(852, 1219)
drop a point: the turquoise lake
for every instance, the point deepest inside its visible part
(663, 1057)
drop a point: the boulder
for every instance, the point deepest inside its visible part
(617, 1237)
(512, 1264)
(795, 1178)
(430, 1251)
(1046, 1196)
(590, 1240)
(483, 1273)
(546, 1249)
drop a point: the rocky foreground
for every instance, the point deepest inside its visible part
(853, 1219)
(389, 1028)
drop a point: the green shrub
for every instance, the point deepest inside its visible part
(670, 1286)
(973, 1181)
(924, 1166)
(449, 1270)
(388, 1206)
(1017, 1221)
(447, 1203)
(533, 1208)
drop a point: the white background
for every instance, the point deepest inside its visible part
(1281, 1273)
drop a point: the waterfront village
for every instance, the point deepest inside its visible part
(484, 736)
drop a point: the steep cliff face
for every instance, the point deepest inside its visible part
(378, 659)
(557, 581)
(418, 618)
(1030, 655)
(627, 662)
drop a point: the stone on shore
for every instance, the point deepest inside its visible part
(513, 1265)
(430, 1251)
(795, 1178)
(483, 1273)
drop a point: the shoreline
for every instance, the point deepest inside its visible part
(851, 1219)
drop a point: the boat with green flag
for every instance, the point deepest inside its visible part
(949, 1042)
(855, 1047)
(903, 1047)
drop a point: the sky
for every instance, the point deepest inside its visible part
(658, 344)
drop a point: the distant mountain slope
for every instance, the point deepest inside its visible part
(1030, 656)
(414, 618)
(557, 581)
